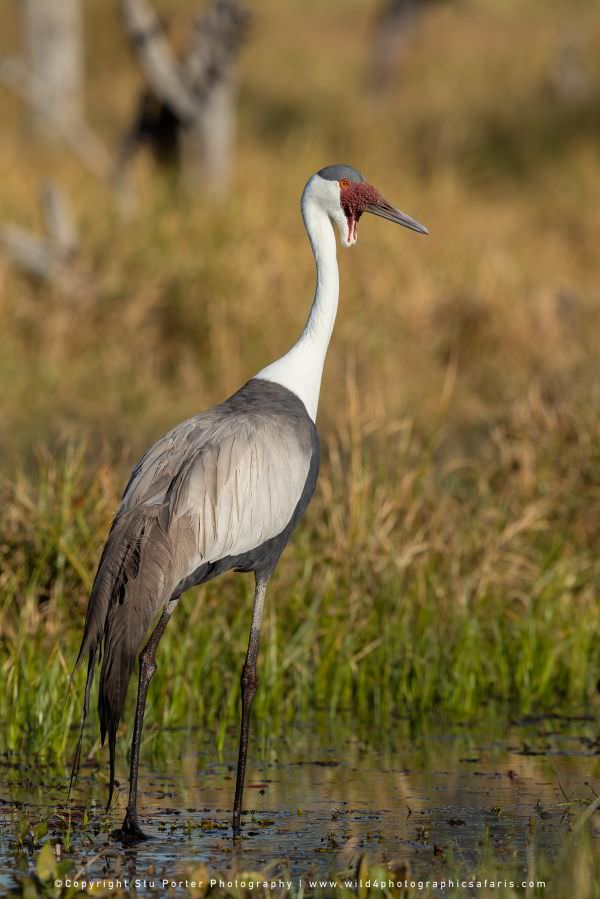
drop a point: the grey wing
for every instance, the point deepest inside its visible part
(154, 473)
(223, 484)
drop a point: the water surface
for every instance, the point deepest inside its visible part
(318, 798)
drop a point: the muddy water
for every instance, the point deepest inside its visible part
(317, 800)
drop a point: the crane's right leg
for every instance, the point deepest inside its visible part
(249, 685)
(131, 829)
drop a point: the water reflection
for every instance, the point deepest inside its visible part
(320, 797)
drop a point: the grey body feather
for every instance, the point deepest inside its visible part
(223, 490)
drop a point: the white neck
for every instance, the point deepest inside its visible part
(301, 369)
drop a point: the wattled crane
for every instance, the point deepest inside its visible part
(222, 491)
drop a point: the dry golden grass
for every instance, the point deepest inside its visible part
(452, 330)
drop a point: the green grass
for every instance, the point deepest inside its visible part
(489, 600)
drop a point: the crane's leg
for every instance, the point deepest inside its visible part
(131, 829)
(249, 685)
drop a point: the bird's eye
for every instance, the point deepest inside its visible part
(344, 183)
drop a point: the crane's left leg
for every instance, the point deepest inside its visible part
(249, 685)
(131, 829)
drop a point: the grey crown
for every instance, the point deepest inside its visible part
(335, 172)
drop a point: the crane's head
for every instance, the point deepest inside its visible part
(344, 195)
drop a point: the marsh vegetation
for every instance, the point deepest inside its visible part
(449, 562)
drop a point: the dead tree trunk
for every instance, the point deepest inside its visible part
(209, 69)
(186, 112)
(54, 31)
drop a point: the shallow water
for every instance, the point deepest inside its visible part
(317, 800)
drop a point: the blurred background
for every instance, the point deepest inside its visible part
(152, 258)
(182, 278)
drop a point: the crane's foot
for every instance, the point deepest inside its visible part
(130, 831)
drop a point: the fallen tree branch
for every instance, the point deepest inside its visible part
(60, 224)
(50, 258)
(33, 254)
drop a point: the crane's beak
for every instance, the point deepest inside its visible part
(382, 207)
